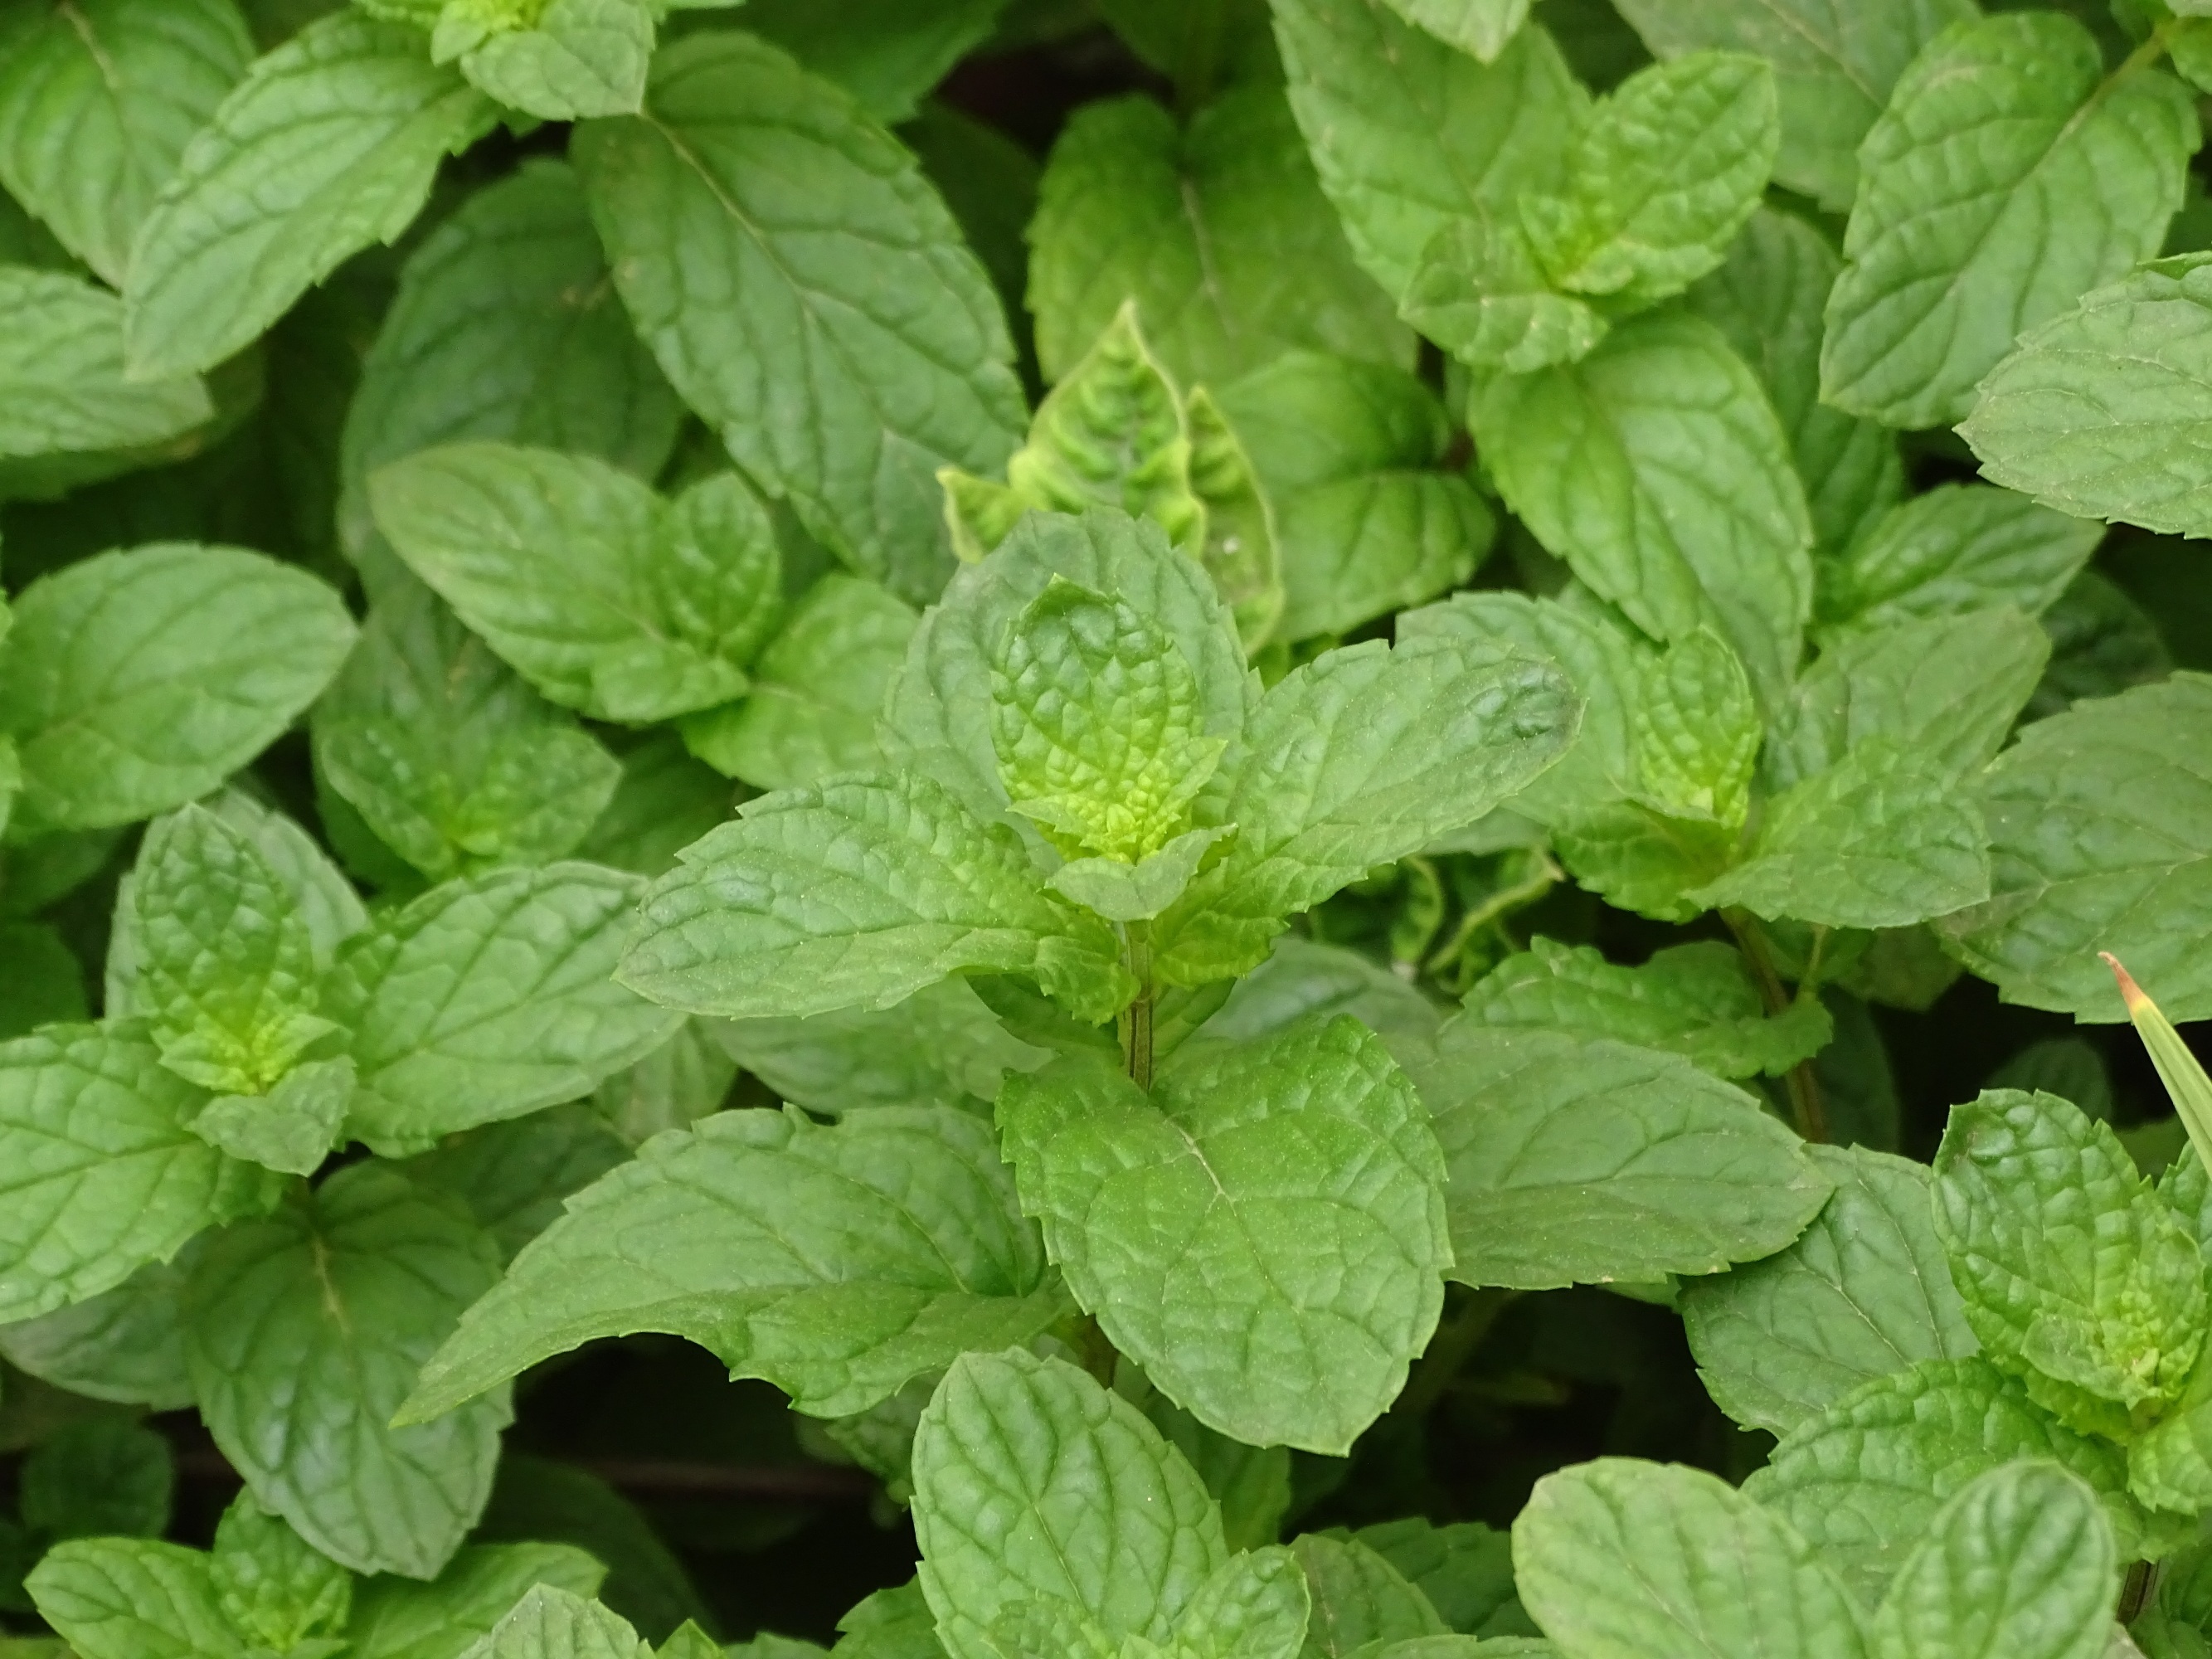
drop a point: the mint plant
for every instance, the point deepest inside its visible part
(983, 829)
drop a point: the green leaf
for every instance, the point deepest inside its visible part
(122, 1345)
(62, 386)
(838, 1263)
(2020, 1562)
(2093, 413)
(1656, 469)
(607, 598)
(506, 327)
(1665, 173)
(1347, 454)
(1239, 551)
(305, 1331)
(96, 104)
(1864, 1481)
(1699, 1000)
(2102, 643)
(855, 893)
(1198, 225)
(292, 1127)
(1833, 68)
(2098, 823)
(1409, 134)
(102, 1174)
(1768, 297)
(1713, 1572)
(817, 689)
(1303, 1270)
(664, 801)
(1464, 1569)
(548, 1620)
(560, 60)
(489, 997)
(885, 52)
(1360, 1600)
(1357, 758)
(226, 964)
(1881, 839)
(516, 1177)
(1032, 1483)
(131, 1598)
(329, 144)
(105, 1476)
(137, 681)
(1696, 730)
(450, 760)
(1302, 976)
(278, 1590)
(2044, 179)
(938, 713)
(1864, 1291)
(1097, 725)
(1481, 293)
(316, 888)
(844, 343)
(396, 1618)
(1482, 27)
(1577, 1160)
(1957, 548)
(2076, 1276)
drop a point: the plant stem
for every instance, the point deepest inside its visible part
(1136, 1020)
(1807, 1109)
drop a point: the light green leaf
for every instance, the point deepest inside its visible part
(62, 387)
(2020, 1562)
(887, 53)
(226, 964)
(1864, 1291)
(2098, 826)
(1359, 758)
(1217, 230)
(817, 689)
(304, 1332)
(891, 1623)
(939, 1045)
(1347, 454)
(1464, 1568)
(558, 60)
(855, 893)
(1700, 1000)
(938, 713)
(489, 997)
(137, 681)
(96, 104)
(278, 1590)
(1577, 1160)
(1656, 469)
(506, 327)
(843, 341)
(2046, 180)
(1252, 1484)
(1302, 976)
(2076, 1276)
(1032, 1483)
(449, 759)
(1696, 730)
(102, 1176)
(1409, 134)
(1481, 294)
(1304, 1271)
(1957, 548)
(838, 1263)
(1359, 1599)
(329, 144)
(1883, 838)
(1097, 725)
(1864, 1480)
(2094, 412)
(1483, 27)
(549, 1621)
(396, 1618)
(1120, 891)
(607, 598)
(122, 1345)
(315, 886)
(131, 1598)
(1239, 552)
(1833, 68)
(1769, 297)
(1665, 173)
(292, 1127)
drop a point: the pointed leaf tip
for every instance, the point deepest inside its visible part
(2130, 992)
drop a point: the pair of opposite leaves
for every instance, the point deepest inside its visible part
(1087, 679)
